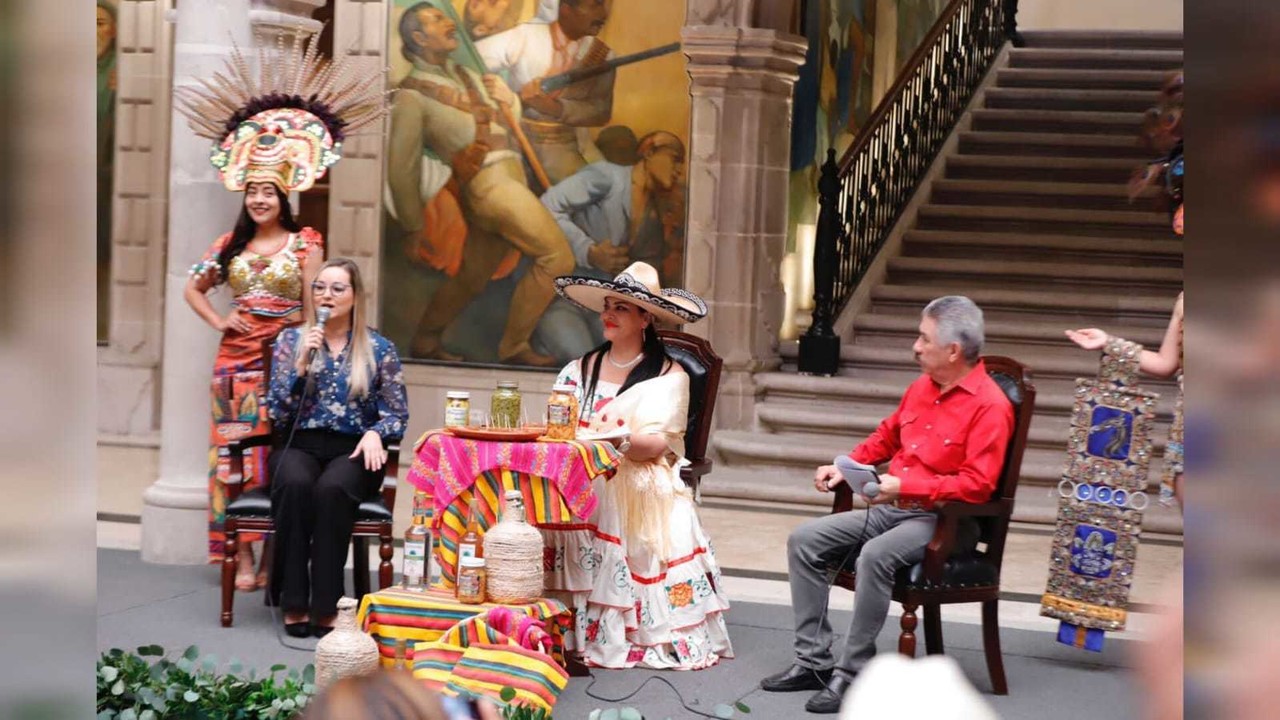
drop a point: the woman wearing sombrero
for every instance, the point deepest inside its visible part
(643, 577)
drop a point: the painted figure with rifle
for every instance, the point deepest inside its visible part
(455, 181)
(564, 75)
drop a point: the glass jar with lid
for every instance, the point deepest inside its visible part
(472, 580)
(504, 406)
(562, 413)
(457, 408)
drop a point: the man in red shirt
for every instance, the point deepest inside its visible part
(946, 441)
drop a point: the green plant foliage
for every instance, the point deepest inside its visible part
(522, 712)
(133, 687)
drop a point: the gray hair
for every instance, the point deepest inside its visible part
(959, 321)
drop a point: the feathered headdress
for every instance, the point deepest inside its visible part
(286, 125)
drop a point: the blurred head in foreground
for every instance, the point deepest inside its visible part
(384, 695)
(881, 687)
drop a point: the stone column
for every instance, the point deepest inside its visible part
(740, 146)
(175, 507)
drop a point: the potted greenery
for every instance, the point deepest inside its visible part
(132, 686)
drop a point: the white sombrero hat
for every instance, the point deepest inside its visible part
(637, 284)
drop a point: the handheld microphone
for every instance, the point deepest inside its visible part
(862, 479)
(322, 317)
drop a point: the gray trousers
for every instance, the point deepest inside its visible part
(893, 539)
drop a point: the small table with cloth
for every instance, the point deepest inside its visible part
(555, 478)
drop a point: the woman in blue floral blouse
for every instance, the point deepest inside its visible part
(336, 414)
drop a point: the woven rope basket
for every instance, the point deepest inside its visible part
(513, 556)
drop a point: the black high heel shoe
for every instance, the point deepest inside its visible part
(298, 629)
(320, 630)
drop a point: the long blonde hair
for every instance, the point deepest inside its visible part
(360, 356)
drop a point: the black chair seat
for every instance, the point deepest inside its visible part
(966, 571)
(257, 504)
(373, 511)
(251, 503)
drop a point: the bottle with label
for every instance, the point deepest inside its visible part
(471, 544)
(417, 545)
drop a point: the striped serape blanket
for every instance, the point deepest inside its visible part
(475, 658)
(392, 615)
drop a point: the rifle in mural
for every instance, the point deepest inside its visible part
(563, 80)
(475, 62)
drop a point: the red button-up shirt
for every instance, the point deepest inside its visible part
(944, 446)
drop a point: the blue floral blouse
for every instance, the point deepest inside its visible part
(385, 409)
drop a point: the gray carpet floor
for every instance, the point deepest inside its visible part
(141, 604)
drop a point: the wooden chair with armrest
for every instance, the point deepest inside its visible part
(955, 570)
(703, 366)
(250, 511)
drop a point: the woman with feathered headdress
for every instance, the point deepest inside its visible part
(274, 134)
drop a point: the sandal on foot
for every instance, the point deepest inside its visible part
(246, 582)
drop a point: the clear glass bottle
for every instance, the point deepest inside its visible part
(471, 544)
(504, 406)
(417, 545)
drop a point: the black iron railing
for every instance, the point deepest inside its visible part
(861, 198)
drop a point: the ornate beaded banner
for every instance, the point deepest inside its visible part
(1102, 497)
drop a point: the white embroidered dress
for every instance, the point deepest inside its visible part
(641, 572)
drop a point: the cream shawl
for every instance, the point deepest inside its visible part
(643, 492)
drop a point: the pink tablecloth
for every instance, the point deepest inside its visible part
(444, 466)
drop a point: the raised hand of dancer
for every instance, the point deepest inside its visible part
(1088, 338)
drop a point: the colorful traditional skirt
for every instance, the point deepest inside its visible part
(638, 606)
(238, 399)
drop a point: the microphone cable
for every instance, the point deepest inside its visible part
(277, 621)
(831, 582)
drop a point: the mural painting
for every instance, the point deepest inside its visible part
(833, 96)
(527, 140)
(915, 20)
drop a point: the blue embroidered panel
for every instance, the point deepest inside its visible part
(1093, 551)
(1110, 433)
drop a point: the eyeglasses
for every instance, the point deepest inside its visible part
(319, 288)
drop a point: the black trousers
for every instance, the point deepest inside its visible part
(315, 492)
